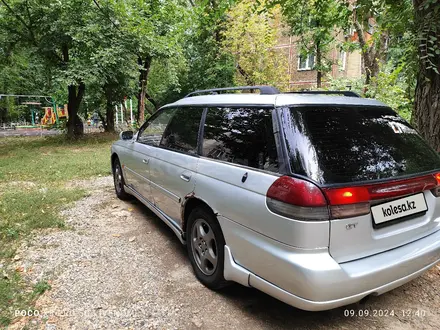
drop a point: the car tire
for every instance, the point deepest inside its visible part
(118, 180)
(206, 248)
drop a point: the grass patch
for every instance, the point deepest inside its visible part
(33, 173)
(17, 295)
(41, 287)
(21, 211)
(13, 296)
(54, 159)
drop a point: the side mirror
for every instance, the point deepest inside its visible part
(126, 135)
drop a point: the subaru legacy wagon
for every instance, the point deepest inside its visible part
(318, 200)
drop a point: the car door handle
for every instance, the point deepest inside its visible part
(185, 177)
(145, 160)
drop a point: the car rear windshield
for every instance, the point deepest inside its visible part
(344, 144)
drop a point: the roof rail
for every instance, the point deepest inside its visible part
(345, 93)
(264, 90)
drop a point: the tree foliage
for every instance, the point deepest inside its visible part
(316, 23)
(105, 46)
(56, 32)
(250, 36)
(208, 65)
(94, 53)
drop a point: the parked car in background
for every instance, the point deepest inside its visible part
(317, 199)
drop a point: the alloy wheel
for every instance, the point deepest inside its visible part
(204, 247)
(118, 178)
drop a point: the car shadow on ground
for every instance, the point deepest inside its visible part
(280, 315)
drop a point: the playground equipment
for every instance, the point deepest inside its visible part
(34, 113)
(51, 117)
(120, 116)
(52, 113)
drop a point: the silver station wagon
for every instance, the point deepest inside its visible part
(318, 200)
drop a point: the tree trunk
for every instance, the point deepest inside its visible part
(247, 78)
(109, 116)
(75, 127)
(109, 109)
(365, 51)
(319, 65)
(152, 101)
(144, 70)
(372, 54)
(103, 120)
(427, 93)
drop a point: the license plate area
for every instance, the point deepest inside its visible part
(398, 209)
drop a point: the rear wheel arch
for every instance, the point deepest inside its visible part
(190, 204)
(205, 244)
(113, 159)
(118, 179)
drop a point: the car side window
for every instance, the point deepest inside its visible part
(152, 131)
(183, 130)
(241, 136)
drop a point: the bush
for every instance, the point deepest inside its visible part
(342, 84)
(388, 87)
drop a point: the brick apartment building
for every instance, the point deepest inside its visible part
(301, 73)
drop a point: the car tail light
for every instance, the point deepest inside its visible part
(303, 200)
(436, 191)
(402, 187)
(349, 210)
(348, 202)
(347, 195)
(297, 199)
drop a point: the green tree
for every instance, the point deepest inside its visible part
(165, 79)
(20, 73)
(250, 35)
(380, 26)
(53, 31)
(114, 62)
(365, 17)
(427, 92)
(154, 29)
(316, 23)
(208, 64)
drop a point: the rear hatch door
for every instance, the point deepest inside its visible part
(367, 146)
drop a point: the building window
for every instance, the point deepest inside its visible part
(342, 60)
(306, 62)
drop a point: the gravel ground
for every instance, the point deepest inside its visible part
(120, 267)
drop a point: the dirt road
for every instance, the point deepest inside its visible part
(120, 267)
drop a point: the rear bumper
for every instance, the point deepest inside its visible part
(311, 305)
(312, 279)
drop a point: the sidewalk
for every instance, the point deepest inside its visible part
(28, 132)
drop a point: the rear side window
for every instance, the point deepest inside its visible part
(182, 131)
(331, 144)
(241, 136)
